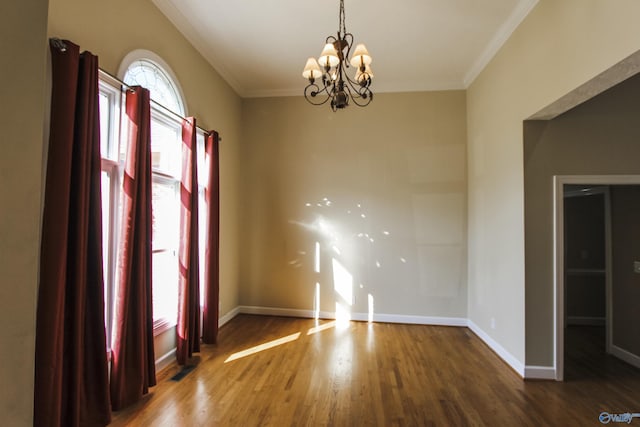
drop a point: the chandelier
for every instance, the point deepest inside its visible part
(330, 71)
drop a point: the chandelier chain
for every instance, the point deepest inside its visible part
(341, 24)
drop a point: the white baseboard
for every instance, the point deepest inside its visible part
(363, 317)
(165, 360)
(419, 320)
(586, 321)
(630, 358)
(228, 316)
(285, 312)
(539, 372)
(510, 359)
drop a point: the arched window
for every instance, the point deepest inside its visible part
(146, 69)
(168, 107)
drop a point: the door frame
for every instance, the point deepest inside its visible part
(559, 182)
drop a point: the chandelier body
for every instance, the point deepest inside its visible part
(328, 78)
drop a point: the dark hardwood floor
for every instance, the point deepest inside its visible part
(378, 374)
(586, 357)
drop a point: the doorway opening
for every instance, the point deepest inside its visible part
(583, 267)
(587, 241)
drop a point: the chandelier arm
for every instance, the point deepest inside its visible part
(331, 39)
(357, 87)
(349, 46)
(360, 95)
(363, 101)
(313, 90)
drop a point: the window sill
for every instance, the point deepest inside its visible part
(162, 325)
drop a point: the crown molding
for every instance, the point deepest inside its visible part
(188, 30)
(499, 39)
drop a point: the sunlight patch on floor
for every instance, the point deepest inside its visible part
(262, 347)
(321, 328)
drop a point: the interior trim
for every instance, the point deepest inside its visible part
(503, 353)
(166, 359)
(539, 372)
(625, 355)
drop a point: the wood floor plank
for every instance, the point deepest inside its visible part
(378, 375)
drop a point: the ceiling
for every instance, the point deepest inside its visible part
(260, 47)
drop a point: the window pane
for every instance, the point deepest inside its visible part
(202, 208)
(166, 215)
(166, 225)
(106, 218)
(165, 286)
(202, 236)
(203, 164)
(106, 245)
(105, 111)
(165, 147)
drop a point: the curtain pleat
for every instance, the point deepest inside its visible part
(133, 365)
(71, 370)
(188, 328)
(212, 250)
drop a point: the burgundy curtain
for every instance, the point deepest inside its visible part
(188, 329)
(212, 250)
(71, 371)
(133, 366)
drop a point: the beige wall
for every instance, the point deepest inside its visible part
(625, 233)
(381, 189)
(22, 69)
(113, 29)
(558, 47)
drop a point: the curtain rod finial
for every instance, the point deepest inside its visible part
(59, 44)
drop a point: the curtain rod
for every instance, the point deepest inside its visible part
(156, 103)
(61, 45)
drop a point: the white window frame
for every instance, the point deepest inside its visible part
(162, 324)
(113, 164)
(110, 87)
(158, 114)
